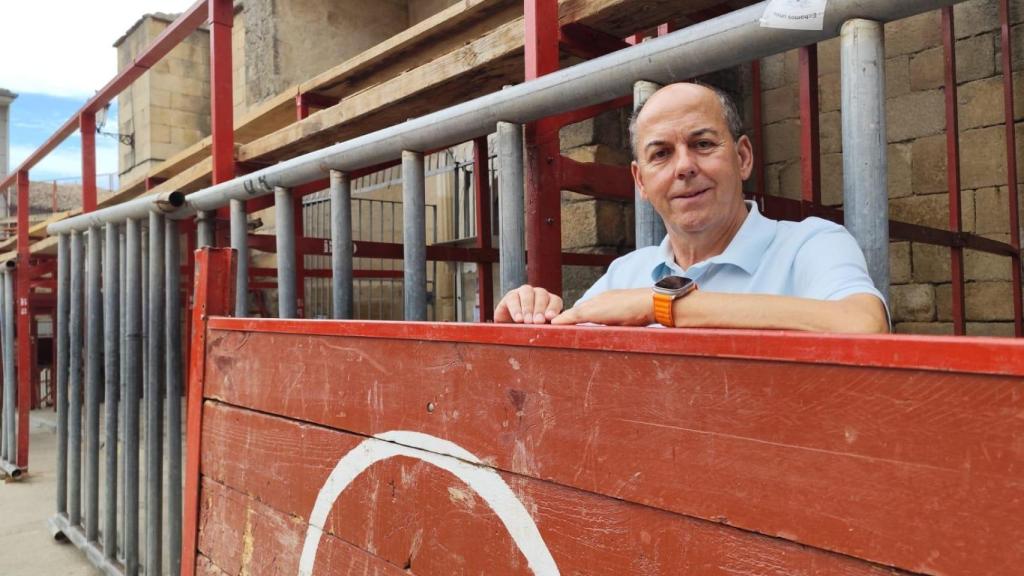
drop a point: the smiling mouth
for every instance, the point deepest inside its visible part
(690, 195)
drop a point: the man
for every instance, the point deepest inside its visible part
(690, 163)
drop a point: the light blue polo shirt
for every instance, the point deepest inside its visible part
(814, 258)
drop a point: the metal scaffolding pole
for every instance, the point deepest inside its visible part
(865, 185)
(341, 245)
(112, 374)
(174, 375)
(414, 238)
(650, 229)
(75, 384)
(205, 220)
(133, 384)
(63, 296)
(9, 444)
(287, 306)
(240, 242)
(93, 378)
(511, 190)
(154, 398)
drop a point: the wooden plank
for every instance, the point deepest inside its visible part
(902, 467)
(470, 70)
(417, 516)
(241, 535)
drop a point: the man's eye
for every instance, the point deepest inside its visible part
(658, 154)
(704, 144)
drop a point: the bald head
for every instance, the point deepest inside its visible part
(686, 92)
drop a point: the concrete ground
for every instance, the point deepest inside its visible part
(26, 547)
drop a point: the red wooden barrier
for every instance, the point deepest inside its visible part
(389, 448)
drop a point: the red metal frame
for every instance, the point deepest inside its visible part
(23, 289)
(482, 191)
(87, 128)
(953, 170)
(543, 192)
(221, 100)
(1011, 165)
(810, 141)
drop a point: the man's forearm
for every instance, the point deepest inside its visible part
(860, 313)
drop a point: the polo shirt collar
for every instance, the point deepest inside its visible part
(745, 250)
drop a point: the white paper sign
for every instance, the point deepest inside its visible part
(795, 14)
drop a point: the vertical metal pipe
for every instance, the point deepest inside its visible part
(650, 229)
(865, 186)
(122, 254)
(133, 384)
(341, 245)
(240, 242)
(112, 369)
(93, 378)
(4, 402)
(414, 239)
(204, 228)
(75, 384)
(63, 296)
(286, 270)
(174, 374)
(511, 190)
(154, 398)
(10, 448)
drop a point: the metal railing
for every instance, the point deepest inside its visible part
(712, 45)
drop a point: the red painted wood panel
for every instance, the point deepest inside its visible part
(906, 467)
(412, 515)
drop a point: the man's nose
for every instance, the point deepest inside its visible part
(686, 166)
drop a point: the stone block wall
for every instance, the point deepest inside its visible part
(168, 108)
(920, 296)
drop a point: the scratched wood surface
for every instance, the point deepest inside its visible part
(406, 514)
(913, 469)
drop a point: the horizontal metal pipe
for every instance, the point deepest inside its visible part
(715, 44)
(137, 208)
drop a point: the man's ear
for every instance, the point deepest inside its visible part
(746, 153)
(638, 179)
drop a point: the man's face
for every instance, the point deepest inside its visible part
(688, 166)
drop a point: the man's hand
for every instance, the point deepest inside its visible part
(632, 307)
(528, 305)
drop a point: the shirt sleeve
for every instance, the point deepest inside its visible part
(831, 266)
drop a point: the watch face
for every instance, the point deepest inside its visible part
(673, 283)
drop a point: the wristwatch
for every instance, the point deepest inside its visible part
(666, 291)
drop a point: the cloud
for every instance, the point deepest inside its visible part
(68, 53)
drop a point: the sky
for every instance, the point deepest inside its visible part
(57, 54)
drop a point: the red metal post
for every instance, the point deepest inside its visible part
(953, 171)
(214, 296)
(543, 197)
(1011, 165)
(87, 128)
(482, 189)
(300, 258)
(810, 157)
(758, 132)
(24, 320)
(221, 103)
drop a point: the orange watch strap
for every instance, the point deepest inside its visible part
(663, 309)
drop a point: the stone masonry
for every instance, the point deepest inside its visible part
(920, 296)
(168, 108)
